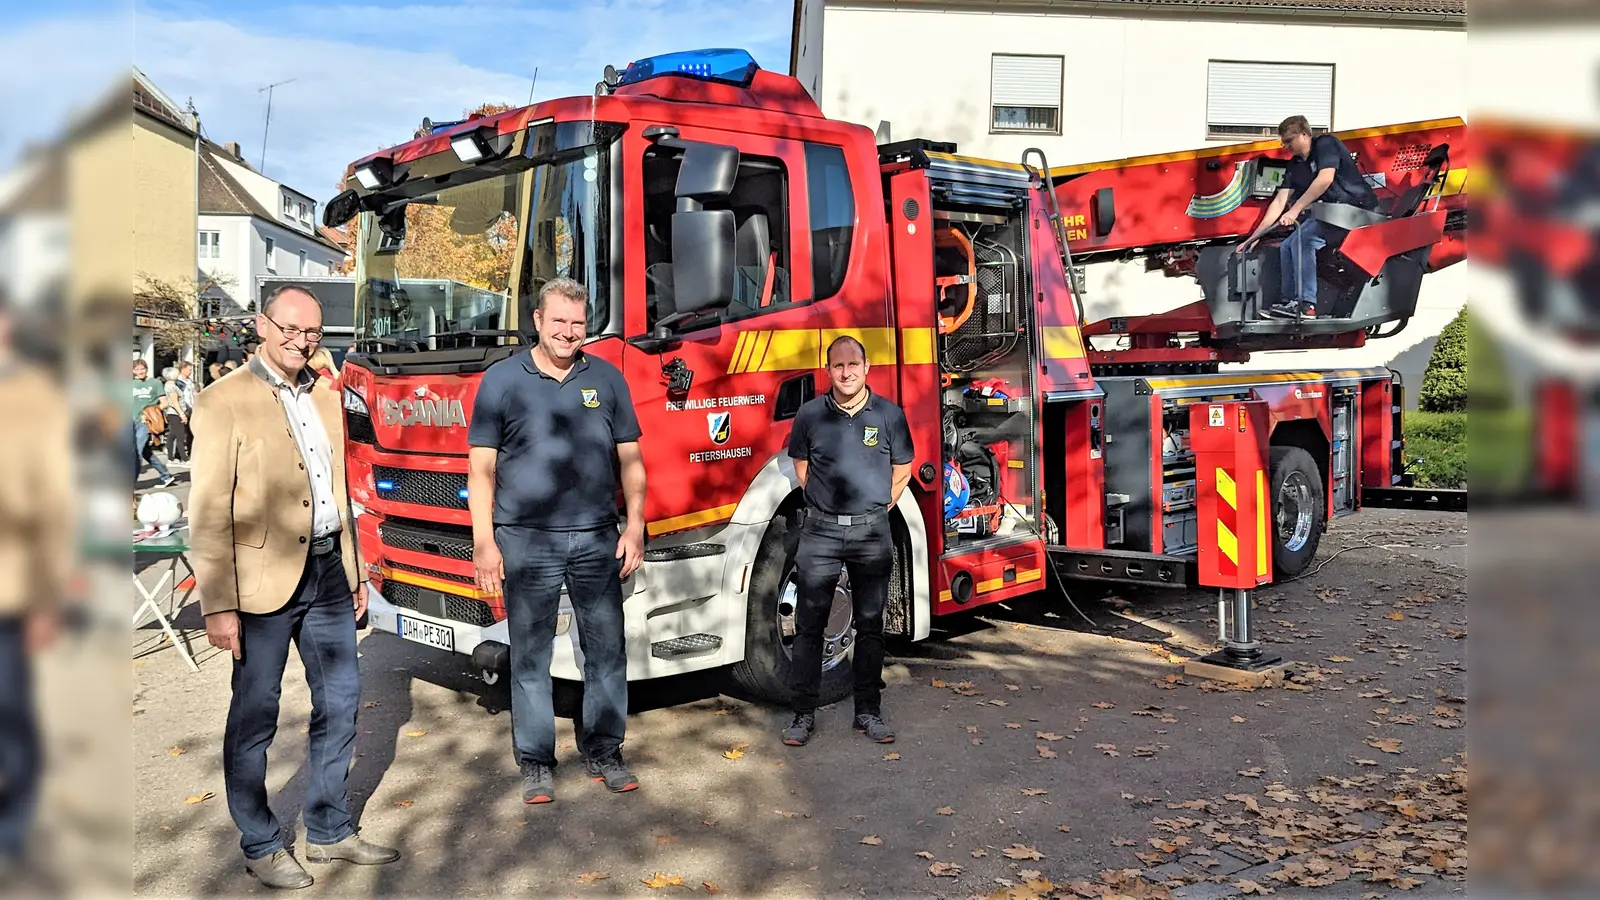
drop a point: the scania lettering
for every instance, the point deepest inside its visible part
(727, 232)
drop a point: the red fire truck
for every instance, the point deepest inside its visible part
(728, 232)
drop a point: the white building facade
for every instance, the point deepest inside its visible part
(1108, 79)
(250, 228)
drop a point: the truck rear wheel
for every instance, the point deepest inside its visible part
(1299, 510)
(768, 664)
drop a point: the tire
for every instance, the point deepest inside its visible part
(766, 671)
(1299, 510)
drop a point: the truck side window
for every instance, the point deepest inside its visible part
(761, 237)
(833, 216)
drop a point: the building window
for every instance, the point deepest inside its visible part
(1247, 100)
(833, 217)
(272, 253)
(210, 245)
(305, 213)
(302, 262)
(1025, 94)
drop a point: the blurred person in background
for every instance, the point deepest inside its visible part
(214, 371)
(177, 402)
(36, 541)
(146, 394)
(321, 362)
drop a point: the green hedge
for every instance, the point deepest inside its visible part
(1439, 440)
(1444, 383)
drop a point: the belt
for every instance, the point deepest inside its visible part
(322, 546)
(846, 520)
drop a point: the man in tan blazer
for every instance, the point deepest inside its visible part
(274, 555)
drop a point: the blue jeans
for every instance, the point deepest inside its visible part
(1297, 263)
(826, 550)
(538, 563)
(141, 455)
(321, 621)
(19, 741)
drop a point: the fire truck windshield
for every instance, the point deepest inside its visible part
(468, 261)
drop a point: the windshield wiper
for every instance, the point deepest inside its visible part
(406, 344)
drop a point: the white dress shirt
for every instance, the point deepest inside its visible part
(305, 423)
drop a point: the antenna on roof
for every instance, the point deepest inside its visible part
(268, 125)
(530, 87)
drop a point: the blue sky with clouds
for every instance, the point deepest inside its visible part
(365, 73)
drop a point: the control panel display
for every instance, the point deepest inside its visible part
(1268, 177)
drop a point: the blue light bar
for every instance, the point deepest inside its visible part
(728, 66)
(385, 485)
(462, 493)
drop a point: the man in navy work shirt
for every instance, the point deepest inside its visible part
(1321, 169)
(852, 452)
(551, 428)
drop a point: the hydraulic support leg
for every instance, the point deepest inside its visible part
(1240, 649)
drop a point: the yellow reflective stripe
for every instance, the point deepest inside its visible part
(1227, 543)
(1226, 489)
(1454, 183)
(789, 349)
(1261, 522)
(759, 353)
(690, 520)
(1061, 342)
(878, 341)
(738, 350)
(916, 346)
(447, 587)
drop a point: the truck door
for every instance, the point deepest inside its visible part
(715, 401)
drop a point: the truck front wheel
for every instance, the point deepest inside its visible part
(1299, 511)
(768, 665)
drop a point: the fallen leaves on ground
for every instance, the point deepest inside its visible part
(945, 811)
(1063, 828)
(891, 756)
(1045, 752)
(1013, 687)
(1252, 773)
(734, 752)
(1387, 745)
(980, 853)
(1022, 851)
(925, 854)
(872, 840)
(663, 840)
(416, 732)
(592, 877)
(201, 798)
(660, 880)
(405, 804)
(1123, 842)
(1397, 616)
(1250, 887)
(1237, 719)
(944, 870)
(1104, 705)
(1034, 792)
(176, 751)
(787, 814)
(1013, 725)
(711, 887)
(1047, 736)
(1108, 749)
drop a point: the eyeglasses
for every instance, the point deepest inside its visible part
(314, 335)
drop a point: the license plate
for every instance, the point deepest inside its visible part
(428, 633)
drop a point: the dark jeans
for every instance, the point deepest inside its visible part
(177, 439)
(321, 621)
(538, 563)
(826, 548)
(144, 452)
(19, 741)
(1297, 262)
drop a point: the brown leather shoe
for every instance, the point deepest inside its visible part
(352, 849)
(279, 870)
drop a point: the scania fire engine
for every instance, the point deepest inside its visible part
(727, 232)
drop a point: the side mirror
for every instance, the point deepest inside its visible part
(702, 260)
(707, 173)
(341, 209)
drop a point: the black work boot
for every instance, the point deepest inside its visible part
(799, 730)
(538, 783)
(613, 772)
(279, 869)
(875, 728)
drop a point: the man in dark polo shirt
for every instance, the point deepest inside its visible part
(552, 430)
(852, 452)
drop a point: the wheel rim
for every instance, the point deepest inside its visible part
(838, 635)
(1294, 511)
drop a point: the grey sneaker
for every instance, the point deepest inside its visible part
(613, 772)
(538, 784)
(875, 728)
(799, 731)
(280, 870)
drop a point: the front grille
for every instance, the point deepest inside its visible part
(439, 604)
(358, 428)
(443, 489)
(432, 573)
(451, 541)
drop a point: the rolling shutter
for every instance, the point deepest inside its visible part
(1025, 81)
(1260, 95)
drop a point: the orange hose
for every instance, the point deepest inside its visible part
(956, 238)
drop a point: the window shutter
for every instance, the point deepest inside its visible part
(1254, 94)
(1025, 81)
